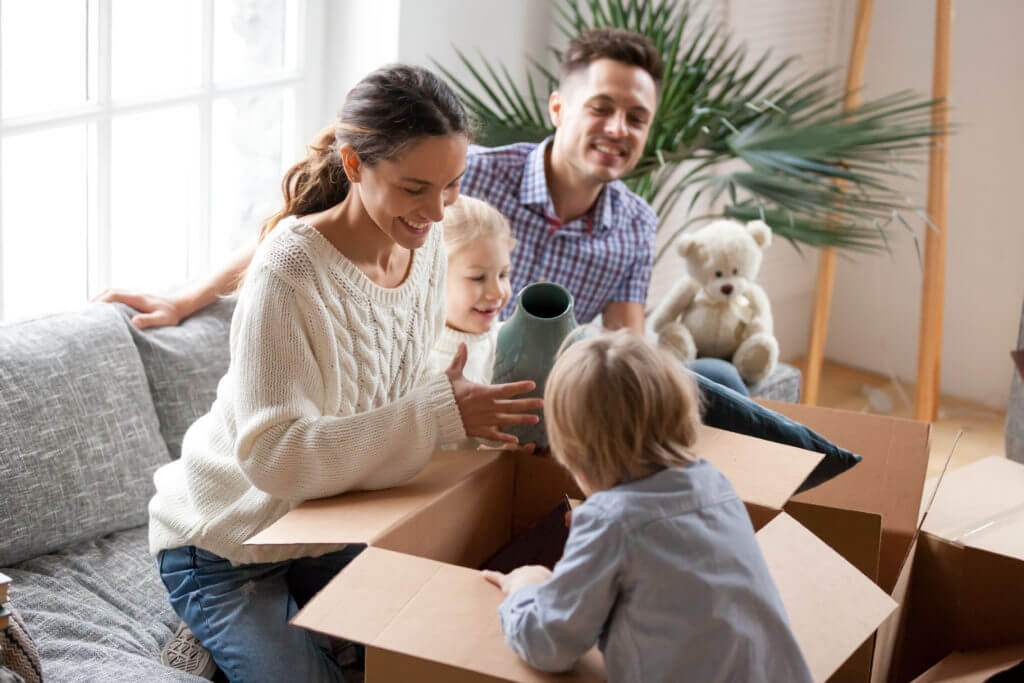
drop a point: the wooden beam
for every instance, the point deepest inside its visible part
(929, 349)
(827, 261)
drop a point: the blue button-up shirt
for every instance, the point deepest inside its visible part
(601, 257)
(666, 576)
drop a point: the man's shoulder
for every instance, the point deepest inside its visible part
(635, 208)
(506, 154)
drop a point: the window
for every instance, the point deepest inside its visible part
(143, 141)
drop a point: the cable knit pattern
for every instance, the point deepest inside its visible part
(328, 390)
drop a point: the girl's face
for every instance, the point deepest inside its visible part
(478, 284)
(407, 195)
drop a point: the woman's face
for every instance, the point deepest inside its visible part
(478, 284)
(407, 195)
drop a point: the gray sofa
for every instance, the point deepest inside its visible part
(90, 407)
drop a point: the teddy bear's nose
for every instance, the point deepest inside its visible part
(726, 289)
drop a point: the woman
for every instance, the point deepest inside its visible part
(328, 387)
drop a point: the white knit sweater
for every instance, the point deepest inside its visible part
(328, 390)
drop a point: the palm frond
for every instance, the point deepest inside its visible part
(817, 174)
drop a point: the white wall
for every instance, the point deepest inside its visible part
(876, 305)
(503, 30)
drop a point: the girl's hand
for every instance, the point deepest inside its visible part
(532, 574)
(485, 408)
(154, 311)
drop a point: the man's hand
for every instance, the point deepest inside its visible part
(485, 408)
(154, 311)
(532, 574)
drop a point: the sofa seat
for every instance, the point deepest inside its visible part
(97, 610)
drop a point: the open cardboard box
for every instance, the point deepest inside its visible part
(964, 589)
(415, 598)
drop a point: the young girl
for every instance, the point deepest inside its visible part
(479, 242)
(661, 569)
(328, 387)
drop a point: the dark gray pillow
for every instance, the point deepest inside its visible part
(80, 437)
(183, 365)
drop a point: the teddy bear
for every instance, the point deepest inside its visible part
(718, 310)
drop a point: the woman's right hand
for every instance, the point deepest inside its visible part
(485, 408)
(154, 311)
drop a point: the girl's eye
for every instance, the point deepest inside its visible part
(414, 193)
(504, 276)
(718, 273)
(477, 278)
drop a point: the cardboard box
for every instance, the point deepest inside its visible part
(415, 598)
(964, 589)
(974, 667)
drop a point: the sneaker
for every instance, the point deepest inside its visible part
(185, 653)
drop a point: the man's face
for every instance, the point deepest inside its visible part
(602, 114)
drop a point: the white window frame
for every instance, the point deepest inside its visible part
(306, 79)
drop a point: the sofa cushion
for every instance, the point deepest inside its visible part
(183, 365)
(98, 611)
(80, 437)
(782, 385)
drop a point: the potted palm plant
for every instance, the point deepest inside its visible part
(817, 174)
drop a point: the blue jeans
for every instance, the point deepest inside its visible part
(240, 613)
(721, 371)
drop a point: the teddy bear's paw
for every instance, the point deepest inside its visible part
(677, 339)
(756, 357)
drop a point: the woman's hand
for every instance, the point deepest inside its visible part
(154, 311)
(485, 408)
(531, 574)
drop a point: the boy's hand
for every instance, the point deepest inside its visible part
(532, 574)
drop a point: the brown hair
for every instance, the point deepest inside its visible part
(619, 409)
(385, 112)
(624, 46)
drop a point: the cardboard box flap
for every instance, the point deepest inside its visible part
(973, 667)
(832, 607)
(364, 517)
(763, 473)
(426, 609)
(889, 481)
(981, 506)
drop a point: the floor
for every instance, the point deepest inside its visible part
(983, 428)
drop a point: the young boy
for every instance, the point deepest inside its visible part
(661, 568)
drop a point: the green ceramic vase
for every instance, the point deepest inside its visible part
(528, 344)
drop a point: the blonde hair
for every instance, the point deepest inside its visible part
(469, 219)
(619, 409)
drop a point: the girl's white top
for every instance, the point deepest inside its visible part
(479, 365)
(481, 347)
(329, 389)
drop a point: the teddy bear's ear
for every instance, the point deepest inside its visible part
(761, 233)
(689, 245)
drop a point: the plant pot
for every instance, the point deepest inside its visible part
(528, 344)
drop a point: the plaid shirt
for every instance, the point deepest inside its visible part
(601, 257)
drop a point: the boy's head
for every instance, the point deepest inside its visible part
(619, 409)
(478, 241)
(606, 99)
